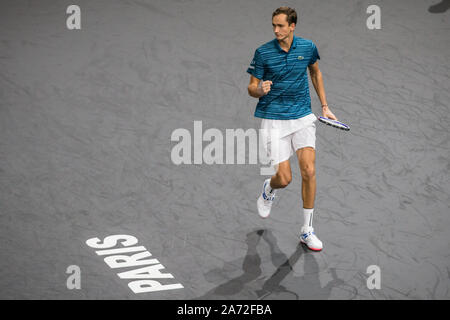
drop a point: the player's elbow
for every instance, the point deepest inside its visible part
(251, 91)
(316, 74)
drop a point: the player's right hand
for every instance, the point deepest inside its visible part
(264, 87)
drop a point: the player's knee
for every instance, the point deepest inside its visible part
(285, 179)
(308, 172)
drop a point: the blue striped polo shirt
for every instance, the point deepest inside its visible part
(288, 97)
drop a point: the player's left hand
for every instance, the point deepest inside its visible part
(326, 112)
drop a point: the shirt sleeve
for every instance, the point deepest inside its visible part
(314, 55)
(256, 67)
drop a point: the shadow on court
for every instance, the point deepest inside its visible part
(440, 7)
(253, 285)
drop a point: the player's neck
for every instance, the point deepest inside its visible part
(286, 43)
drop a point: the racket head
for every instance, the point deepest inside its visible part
(334, 123)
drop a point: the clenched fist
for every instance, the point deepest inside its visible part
(264, 87)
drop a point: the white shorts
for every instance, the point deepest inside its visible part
(285, 147)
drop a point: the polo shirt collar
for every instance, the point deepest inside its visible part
(293, 45)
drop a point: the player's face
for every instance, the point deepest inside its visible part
(281, 27)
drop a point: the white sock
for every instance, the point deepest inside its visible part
(308, 217)
(269, 189)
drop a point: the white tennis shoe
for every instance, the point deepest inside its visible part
(308, 237)
(265, 200)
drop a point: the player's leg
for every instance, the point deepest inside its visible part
(280, 159)
(303, 142)
(306, 159)
(283, 176)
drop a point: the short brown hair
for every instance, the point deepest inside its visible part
(291, 14)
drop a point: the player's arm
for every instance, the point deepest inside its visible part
(317, 81)
(258, 88)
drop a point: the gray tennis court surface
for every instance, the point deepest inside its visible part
(86, 118)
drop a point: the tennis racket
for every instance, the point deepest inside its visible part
(334, 123)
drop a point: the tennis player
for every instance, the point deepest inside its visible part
(280, 80)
